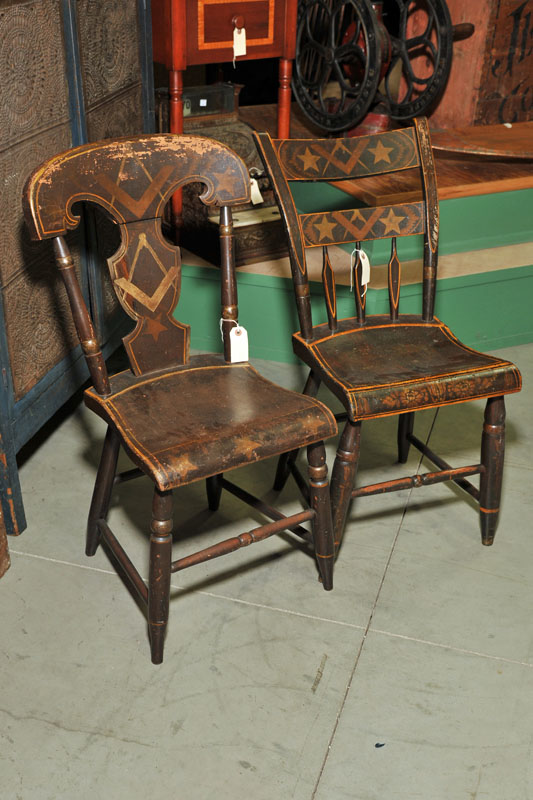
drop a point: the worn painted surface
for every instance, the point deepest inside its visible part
(179, 419)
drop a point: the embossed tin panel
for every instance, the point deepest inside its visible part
(109, 52)
(16, 164)
(117, 116)
(69, 69)
(33, 86)
(38, 322)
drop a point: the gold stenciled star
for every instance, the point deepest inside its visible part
(309, 159)
(392, 222)
(381, 153)
(154, 328)
(325, 228)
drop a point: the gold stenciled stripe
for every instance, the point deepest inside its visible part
(437, 403)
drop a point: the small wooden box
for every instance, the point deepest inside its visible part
(491, 79)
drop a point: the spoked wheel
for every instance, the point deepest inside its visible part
(421, 41)
(338, 58)
(348, 59)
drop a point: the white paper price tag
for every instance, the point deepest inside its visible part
(238, 343)
(239, 42)
(257, 197)
(365, 267)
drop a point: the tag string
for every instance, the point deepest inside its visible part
(222, 320)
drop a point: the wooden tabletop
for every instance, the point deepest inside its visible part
(469, 161)
(511, 141)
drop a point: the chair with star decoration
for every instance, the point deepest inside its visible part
(180, 418)
(382, 365)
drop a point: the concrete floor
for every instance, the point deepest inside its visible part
(412, 679)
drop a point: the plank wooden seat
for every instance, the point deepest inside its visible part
(211, 417)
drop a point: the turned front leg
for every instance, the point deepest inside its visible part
(343, 477)
(492, 453)
(159, 573)
(320, 503)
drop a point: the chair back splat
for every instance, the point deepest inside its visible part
(179, 417)
(132, 180)
(380, 365)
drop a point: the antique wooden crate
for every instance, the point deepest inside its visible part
(71, 71)
(491, 79)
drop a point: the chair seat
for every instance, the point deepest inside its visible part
(207, 417)
(389, 367)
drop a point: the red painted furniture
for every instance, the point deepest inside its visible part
(188, 32)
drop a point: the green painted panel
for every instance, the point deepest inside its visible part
(487, 310)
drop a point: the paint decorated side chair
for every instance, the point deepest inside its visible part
(382, 365)
(180, 418)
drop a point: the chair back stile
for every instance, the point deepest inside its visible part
(82, 319)
(228, 282)
(330, 160)
(431, 199)
(132, 180)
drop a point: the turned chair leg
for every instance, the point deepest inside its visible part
(159, 572)
(492, 453)
(405, 427)
(286, 459)
(320, 502)
(343, 477)
(214, 490)
(102, 490)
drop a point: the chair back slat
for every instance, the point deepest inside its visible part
(362, 224)
(339, 159)
(330, 292)
(348, 159)
(133, 179)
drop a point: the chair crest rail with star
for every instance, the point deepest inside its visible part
(180, 418)
(381, 365)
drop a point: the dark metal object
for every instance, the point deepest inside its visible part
(353, 54)
(180, 418)
(385, 365)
